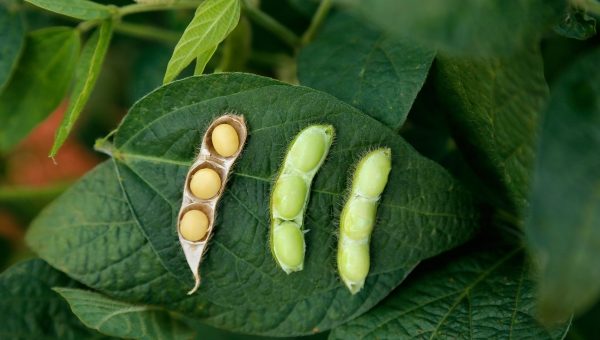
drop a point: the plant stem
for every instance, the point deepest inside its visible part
(148, 32)
(263, 19)
(141, 8)
(316, 21)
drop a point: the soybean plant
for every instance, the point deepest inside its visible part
(291, 192)
(358, 217)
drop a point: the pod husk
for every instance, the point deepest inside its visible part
(208, 158)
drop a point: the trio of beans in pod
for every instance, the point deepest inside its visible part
(206, 179)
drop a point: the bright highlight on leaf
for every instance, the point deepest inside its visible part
(213, 21)
(86, 74)
(79, 9)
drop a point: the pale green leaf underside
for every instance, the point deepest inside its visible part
(79, 9)
(368, 69)
(494, 105)
(203, 59)
(481, 295)
(564, 224)
(124, 320)
(115, 229)
(86, 74)
(12, 36)
(213, 21)
(39, 83)
(31, 310)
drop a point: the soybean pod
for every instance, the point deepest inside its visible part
(358, 217)
(291, 191)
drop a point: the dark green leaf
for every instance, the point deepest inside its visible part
(31, 310)
(80, 9)
(115, 230)
(86, 74)
(576, 24)
(39, 82)
(465, 27)
(480, 295)
(366, 68)
(494, 105)
(12, 37)
(122, 319)
(213, 21)
(564, 226)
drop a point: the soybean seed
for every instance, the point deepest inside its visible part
(289, 196)
(307, 150)
(288, 244)
(225, 140)
(205, 183)
(194, 225)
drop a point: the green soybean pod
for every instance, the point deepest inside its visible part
(358, 217)
(291, 191)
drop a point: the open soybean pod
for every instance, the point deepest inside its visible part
(204, 185)
(291, 191)
(359, 216)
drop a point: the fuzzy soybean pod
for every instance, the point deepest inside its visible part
(359, 215)
(291, 190)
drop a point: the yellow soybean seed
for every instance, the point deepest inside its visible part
(194, 225)
(205, 183)
(304, 157)
(359, 216)
(288, 244)
(225, 140)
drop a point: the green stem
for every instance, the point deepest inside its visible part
(263, 19)
(148, 32)
(141, 8)
(316, 21)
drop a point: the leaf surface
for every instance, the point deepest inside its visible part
(213, 21)
(480, 295)
(564, 224)
(86, 74)
(79, 9)
(39, 82)
(494, 105)
(31, 310)
(12, 36)
(378, 74)
(119, 221)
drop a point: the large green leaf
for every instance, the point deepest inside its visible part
(213, 21)
(80, 9)
(39, 83)
(86, 74)
(465, 27)
(564, 224)
(31, 310)
(368, 69)
(494, 105)
(115, 230)
(480, 295)
(12, 36)
(122, 319)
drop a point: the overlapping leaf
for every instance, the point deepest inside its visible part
(564, 224)
(115, 230)
(12, 36)
(39, 83)
(79, 9)
(378, 74)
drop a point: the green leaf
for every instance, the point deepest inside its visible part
(480, 295)
(576, 24)
(39, 82)
(213, 21)
(119, 221)
(12, 35)
(124, 320)
(79, 9)
(86, 74)
(494, 105)
(31, 310)
(464, 27)
(378, 74)
(564, 225)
